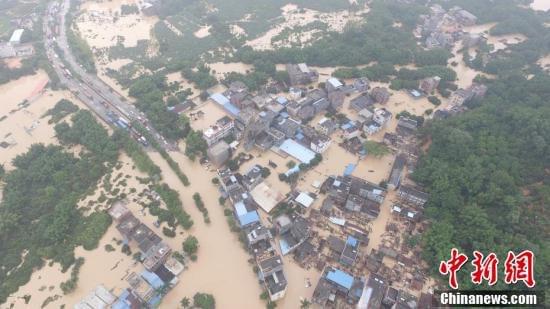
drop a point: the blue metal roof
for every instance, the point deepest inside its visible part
(249, 218)
(152, 279)
(225, 103)
(235, 111)
(341, 278)
(153, 302)
(349, 169)
(219, 98)
(240, 208)
(121, 302)
(301, 153)
(352, 241)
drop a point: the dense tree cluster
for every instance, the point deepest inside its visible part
(200, 205)
(487, 174)
(86, 131)
(149, 92)
(61, 109)
(70, 285)
(201, 77)
(376, 40)
(173, 204)
(204, 301)
(195, 145)
(376, 149)
(42, 191)
(79, 47)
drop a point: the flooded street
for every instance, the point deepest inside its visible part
(222, 268)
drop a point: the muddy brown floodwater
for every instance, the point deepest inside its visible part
(222, 268)
(22, 125)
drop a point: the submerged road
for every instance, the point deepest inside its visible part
(91, 90)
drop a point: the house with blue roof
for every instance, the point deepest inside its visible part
(224, 102)
(337, 286)
(245, 217)
(152, 279)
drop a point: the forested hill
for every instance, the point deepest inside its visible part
(488, 173)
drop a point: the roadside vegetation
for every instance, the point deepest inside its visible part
(200, 205)
(79, 47)
(61, 109)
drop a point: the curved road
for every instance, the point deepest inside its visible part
(92, 91)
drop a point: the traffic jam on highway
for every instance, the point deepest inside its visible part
(94, 93)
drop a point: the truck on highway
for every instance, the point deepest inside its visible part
(123, 121)
(68, 73)
(121, 124)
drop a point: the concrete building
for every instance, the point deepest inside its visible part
(221, 129)
(397, 171)
(326, 126)
(380, 94)
(219, 153)
(428, 85)
(333, 84)
(361, 84)
(361, 102)
(300, 74)
(412, 196)
(336, 99)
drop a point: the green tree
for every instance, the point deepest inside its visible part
(191, 245)
(185, 302)
(195, 145)
(376, 149)
(204, 301)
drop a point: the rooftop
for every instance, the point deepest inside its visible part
(304, 199)
(16, 36)
(266, 197)
(341, 278)
(334, 82)
(296, 150)
(224, 102)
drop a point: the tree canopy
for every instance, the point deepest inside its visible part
(487, 174)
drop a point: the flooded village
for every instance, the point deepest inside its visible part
(307, 184)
